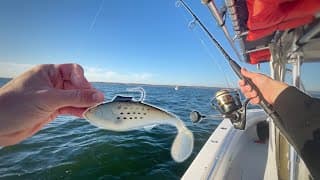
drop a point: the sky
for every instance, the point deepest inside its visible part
(115, 41)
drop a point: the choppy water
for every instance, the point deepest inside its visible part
(71, 148)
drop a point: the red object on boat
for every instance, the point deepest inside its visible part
(260, 56)
(267, 16)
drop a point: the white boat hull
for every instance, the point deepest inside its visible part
(231, 154)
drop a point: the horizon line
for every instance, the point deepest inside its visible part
(150, 84)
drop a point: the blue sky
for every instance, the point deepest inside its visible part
(115, 41)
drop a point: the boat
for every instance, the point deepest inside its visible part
(285, 34)
(176, 88)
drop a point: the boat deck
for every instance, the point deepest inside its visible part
(250, 163)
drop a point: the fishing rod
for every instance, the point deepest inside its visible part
(237, 69)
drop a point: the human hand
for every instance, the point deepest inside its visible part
(38, 96)
(269, 88)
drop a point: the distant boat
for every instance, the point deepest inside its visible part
(176, 88)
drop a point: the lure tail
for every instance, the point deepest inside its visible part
(182, 145)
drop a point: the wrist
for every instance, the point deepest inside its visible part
(276, 91)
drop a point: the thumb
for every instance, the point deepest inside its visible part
(74, 98)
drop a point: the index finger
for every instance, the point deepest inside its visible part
(242, 82)
(74, 74)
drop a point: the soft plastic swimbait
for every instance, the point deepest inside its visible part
(125, 114)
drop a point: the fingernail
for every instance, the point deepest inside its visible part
(97, 97)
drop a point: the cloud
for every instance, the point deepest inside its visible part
(104, 75)
(8, 69)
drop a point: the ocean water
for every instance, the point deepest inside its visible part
(71, 148)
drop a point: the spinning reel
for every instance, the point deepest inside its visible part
(228, 103)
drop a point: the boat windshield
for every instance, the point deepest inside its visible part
(309, 81)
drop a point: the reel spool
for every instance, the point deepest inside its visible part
(228, 103)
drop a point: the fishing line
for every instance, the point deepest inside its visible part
(96, 16)
(191, 26)
(226, 78)
(203, 27)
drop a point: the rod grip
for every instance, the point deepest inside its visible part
(263, 103)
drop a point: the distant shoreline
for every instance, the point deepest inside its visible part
(140, 84)
(159, 85)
